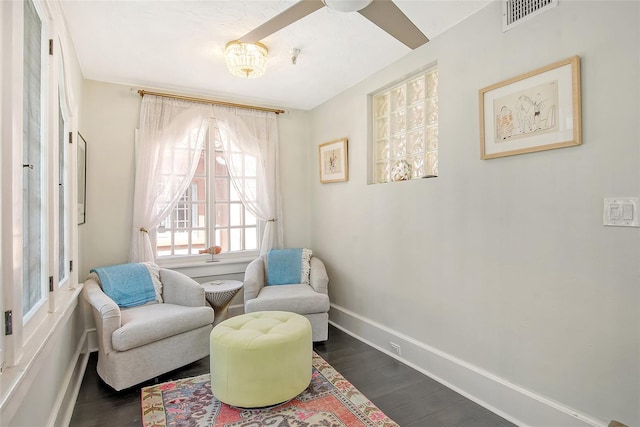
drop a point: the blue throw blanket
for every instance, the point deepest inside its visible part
(288, 266)
(128, 285)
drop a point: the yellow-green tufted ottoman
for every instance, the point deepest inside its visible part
(260, 359)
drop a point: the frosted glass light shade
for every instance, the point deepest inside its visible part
(346, 5)
(248, 60)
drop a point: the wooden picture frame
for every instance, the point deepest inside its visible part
(82, 179)
(536, 111)
(333, 160)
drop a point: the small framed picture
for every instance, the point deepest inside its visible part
(536, 111)
(333, 161)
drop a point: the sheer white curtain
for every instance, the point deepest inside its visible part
(253, 133)
(169, 143)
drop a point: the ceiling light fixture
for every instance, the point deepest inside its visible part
(347, 5)
(248, 60)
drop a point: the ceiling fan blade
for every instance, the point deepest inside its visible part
(289, 16)
(386, 15)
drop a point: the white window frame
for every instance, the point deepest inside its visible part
(231, 202)
(33, 318)
(64, 277)
(213, 232)
(29, 329)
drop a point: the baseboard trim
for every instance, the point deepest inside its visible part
(63, 408)
(520, 406)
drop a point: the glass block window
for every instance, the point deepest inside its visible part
(405, 129)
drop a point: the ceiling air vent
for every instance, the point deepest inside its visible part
(516, 11)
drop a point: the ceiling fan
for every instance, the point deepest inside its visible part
(384, 13)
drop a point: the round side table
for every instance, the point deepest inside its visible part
(219, 294)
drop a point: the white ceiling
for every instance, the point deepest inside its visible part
(178, 46)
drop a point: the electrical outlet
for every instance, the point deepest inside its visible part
(395, 348)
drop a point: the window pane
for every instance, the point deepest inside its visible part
(198, 241)
(183, 231)
(250, 189)
(415, 90)
(236, 158)
(382, 128)
(416, 116)
(399, 146)
(222, 190)
(417, 166)
(163, 243)
(235, 239)
(432, 84)
(181, 242)
(384, 150)
(33, 186)
(382, 172)
(249, 218)
(222, 214)
(233, 194)
(432, 164)
(432, 111)
(416, 142)
(235, 214)
(222, 239)
(220, 164)
(398, 100)
(198, 215)
(250, 239)
(398, 122)
(249, 166)
(381, 105)
(432, 138)
(62, 206)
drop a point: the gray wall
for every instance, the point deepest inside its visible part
(501, 267)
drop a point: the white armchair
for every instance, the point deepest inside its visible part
(311, 301)
(139, 343)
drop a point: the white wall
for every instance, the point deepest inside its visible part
(110, 114)
(500, 269)
(40, 388)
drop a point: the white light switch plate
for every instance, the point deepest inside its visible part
(621, 212)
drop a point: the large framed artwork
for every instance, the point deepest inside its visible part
(536, 111)
(82, 179)
(333, 161)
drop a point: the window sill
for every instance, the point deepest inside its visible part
(202, 268)
(17, 378)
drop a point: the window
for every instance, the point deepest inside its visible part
(36, 228)
(236, 228)
(194, 224)
(63, 198)
(34, 167)
(405, 129)
(184, 231)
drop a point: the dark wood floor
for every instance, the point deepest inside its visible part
(410, 398)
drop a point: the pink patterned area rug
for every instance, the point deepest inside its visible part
(329, 401)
